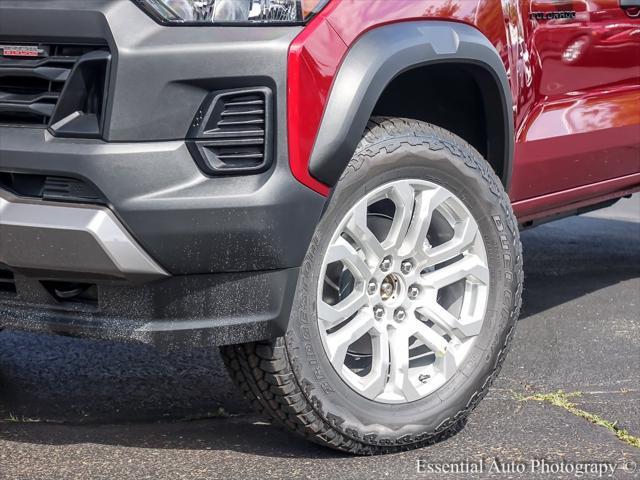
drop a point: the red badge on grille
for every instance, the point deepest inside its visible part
(22, 51)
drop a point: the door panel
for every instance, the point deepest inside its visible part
(578, 107)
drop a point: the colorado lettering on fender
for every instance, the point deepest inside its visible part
(565, 14)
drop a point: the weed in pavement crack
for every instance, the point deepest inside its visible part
(562, 400)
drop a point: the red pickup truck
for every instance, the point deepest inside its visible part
(329, 190)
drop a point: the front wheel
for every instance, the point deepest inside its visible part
(406, 301)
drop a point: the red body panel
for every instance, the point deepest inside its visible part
(578, 96)
(312, 60)
(575, 84)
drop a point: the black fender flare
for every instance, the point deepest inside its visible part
(382, 54)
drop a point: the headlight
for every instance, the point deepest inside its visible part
(202, 12)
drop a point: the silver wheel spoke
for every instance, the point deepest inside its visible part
(346, 335)
(426, 203)
(430, 338)
(469, 266)
(448, 366)
(376, 380)
(397, 328)
(448, 322)
(403, 197)
(342, 251)
(358, 229)
(332, 315)
(465, 233)
(399, 382)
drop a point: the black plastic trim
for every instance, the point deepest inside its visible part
(66, 75)
(70, 117)
(204, 140)
(51, 188)
(375, 60)
(177, 312)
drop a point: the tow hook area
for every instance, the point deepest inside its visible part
(72, 292)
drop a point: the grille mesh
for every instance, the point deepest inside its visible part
(30, 88)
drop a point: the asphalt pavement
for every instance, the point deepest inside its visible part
(78, 409)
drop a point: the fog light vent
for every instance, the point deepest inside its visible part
(232, 132)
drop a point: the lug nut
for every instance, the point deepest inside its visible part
(378, 312)
(385, 264)
(413, 292)
(406, 266)
(400, 315)
(372, 287)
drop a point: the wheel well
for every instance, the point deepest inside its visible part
(462, 98)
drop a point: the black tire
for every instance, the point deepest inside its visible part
(291, 380)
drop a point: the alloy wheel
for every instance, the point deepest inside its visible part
(403, 291)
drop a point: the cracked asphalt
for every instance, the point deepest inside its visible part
(77, 409)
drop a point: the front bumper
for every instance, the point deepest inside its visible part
(187, 222)
(224, 251)
(175, 313)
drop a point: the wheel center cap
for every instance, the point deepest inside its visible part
(390, 288)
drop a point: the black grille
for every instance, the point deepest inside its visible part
(234, 131)
(52, 188)
(31, 89)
